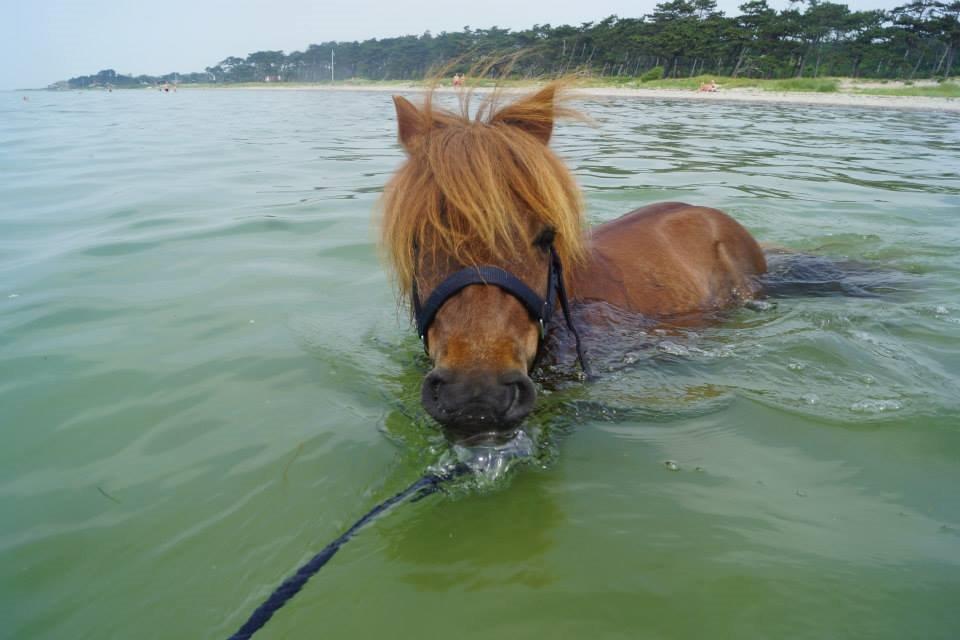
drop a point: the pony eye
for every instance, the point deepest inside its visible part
(545, 238)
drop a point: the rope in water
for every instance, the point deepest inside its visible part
(422, 488)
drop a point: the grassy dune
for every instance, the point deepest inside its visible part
(809, 85)
(942, 90)
(923, 88)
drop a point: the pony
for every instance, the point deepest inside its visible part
(484, 230)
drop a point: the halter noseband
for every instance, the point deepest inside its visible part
(540, 309)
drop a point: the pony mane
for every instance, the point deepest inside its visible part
(479, 190)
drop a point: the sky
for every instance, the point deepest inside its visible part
(42, 41)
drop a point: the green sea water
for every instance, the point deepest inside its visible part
(205, 377)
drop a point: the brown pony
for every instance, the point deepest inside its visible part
(488, 192)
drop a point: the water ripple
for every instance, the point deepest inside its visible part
(204, 375)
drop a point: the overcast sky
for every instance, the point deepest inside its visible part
(42, 41)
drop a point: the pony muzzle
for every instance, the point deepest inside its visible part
(471, 402)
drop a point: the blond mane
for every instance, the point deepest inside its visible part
(479, 190)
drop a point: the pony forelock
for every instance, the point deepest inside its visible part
(478, 190)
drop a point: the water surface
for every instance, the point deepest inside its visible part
(205, 377)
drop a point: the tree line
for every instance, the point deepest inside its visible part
(810, 38)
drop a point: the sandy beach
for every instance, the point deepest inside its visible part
(839, 99)
(843, 98)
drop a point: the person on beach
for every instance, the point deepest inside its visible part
(709, 86)
(458, 80)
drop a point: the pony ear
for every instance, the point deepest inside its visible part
(533, 114)
(411, 124)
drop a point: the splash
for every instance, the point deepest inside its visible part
(489, 461)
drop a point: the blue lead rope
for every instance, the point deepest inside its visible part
(422, 488)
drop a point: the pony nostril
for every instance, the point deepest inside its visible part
(434, 387)
(514, 395)
(522, 396)
(432, 391)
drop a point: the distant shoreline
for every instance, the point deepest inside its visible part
(737, 94)
(915, 103)
(846, 97)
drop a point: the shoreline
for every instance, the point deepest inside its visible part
(797, 98)
(741, 95)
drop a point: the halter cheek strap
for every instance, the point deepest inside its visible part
(540, 309)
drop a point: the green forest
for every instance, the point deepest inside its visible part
(680, 38)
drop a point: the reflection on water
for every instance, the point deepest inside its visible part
(439, 550)
(205, 377)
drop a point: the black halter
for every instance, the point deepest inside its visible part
(540, 309)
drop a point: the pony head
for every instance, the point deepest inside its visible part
(481, 191)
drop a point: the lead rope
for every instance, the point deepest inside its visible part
(565, 307)
(425, 486)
